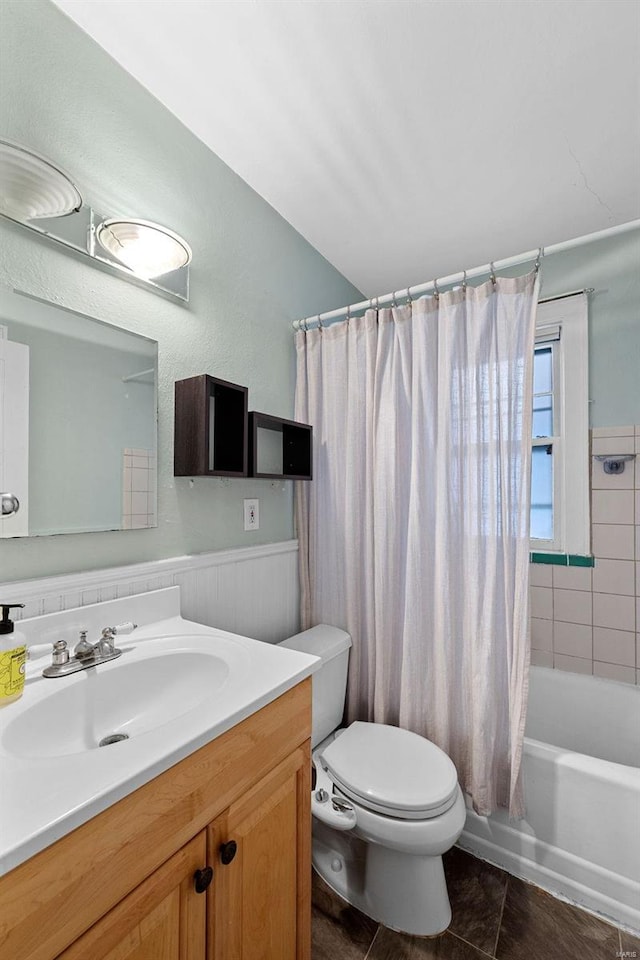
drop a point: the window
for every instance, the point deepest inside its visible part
(560, 453)
(544, 509)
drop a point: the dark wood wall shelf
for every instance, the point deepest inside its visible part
(211, 428)
(296, 460)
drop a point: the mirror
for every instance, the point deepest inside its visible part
(78, 421)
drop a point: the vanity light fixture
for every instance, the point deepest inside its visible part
(33, 188)
(146, 248)
(38, 195)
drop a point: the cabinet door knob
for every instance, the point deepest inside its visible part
(228, 851)
(202, 879)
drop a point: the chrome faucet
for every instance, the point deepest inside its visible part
(105, 647)
(85, 654)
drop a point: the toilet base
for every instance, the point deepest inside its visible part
(404, 892)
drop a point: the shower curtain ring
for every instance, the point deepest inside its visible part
(409, 300)
(319, 322)
(436, 291)
(492, 274)
(464, 281)
(348, 316)
(540, 255)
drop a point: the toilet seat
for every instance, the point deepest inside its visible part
(391, 771)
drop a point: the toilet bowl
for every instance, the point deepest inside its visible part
(386, 804)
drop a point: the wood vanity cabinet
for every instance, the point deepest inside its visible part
(254, 904)
(131, 884)
(162, 919)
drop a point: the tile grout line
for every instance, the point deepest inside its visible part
(467, 943)
(367, 954)
(504, 900)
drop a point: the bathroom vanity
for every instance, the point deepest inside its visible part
(209, 859)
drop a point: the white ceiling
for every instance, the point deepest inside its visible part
(405, 139)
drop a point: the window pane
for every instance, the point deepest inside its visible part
(542, 493)
(543, 392)
(543, 415)
(542, 370)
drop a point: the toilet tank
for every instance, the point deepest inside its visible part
(330, 681)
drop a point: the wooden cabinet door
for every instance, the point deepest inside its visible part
(162, 919)
(259, 902)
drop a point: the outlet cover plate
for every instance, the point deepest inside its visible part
(252, 514)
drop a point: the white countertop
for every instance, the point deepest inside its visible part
(43, 797)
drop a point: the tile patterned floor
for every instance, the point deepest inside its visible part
(494, 916)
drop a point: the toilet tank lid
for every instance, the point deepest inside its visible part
(322, 641)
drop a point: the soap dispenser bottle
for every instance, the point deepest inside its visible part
(13, 653)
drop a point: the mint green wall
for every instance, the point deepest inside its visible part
(612, 268)
(251, 275)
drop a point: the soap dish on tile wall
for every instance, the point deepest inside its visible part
(614, 462)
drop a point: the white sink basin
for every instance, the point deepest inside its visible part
(127, 697)
(177, 686)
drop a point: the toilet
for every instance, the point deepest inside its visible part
(386, 804)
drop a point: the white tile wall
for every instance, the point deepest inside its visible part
(541, 658)
(542, 603)
(542, 634)
(138, 489)
(573, 606)
(573, 639)
(614, 646)
(615, 576)
(612, 671)
(573, 664)
(584, 619)
(613, 541)
(572, 578)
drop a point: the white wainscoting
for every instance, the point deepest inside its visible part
(250, 590)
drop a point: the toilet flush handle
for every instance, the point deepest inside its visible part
(342, 805)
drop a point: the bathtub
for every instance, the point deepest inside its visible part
(580, 838)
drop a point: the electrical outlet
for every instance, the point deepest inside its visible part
(252, 514)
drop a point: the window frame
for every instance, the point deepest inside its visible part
(550, 338)
(563, 323)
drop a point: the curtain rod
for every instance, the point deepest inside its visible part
(411, 293)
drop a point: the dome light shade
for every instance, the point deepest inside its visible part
(31, 187)
(146, 248)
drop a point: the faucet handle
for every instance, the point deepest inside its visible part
(122, 628)
(60, 652)
(107, 641)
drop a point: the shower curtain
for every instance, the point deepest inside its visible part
(414, 533)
